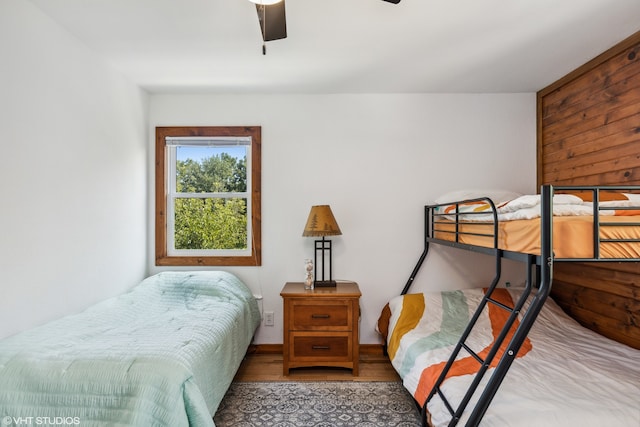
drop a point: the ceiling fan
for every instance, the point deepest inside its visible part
(273, 23)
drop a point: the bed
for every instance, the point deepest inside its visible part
(453, 350)
(563, 375)
(161, 354)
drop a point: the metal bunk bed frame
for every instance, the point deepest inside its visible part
(543, 264)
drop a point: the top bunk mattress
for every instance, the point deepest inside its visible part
(572, 236)
(610, 229)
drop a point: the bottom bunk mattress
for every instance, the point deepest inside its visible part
(564, 374)
(161, 354)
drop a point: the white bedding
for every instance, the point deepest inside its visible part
(570, 376)
(528, 207)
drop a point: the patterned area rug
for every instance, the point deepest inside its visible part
(325, 404)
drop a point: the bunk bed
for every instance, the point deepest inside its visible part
(453, 349)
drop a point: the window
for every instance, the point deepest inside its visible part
(208, 196)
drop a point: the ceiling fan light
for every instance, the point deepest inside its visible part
(265, 2)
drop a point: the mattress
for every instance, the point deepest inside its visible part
(564, 375)
(518, 223)
(572, 236)
(162, 354)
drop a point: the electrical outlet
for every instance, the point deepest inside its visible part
(268, 318)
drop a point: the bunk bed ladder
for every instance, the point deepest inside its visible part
(485, 363)
(517, 337)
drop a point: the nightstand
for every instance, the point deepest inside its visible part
(321, 326)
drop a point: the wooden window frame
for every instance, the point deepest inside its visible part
(161, 256)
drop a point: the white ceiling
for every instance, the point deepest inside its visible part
(347, 46)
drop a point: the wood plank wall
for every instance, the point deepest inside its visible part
(589, 134)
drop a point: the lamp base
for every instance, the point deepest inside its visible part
(324, 284)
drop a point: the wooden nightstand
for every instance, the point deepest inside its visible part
(321, 326)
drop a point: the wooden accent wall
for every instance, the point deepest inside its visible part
(589, 134)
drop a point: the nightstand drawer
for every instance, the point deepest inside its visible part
(321, 315)
(320, 347)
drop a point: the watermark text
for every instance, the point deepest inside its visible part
(39, 421)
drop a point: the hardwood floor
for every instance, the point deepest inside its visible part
(268, 367)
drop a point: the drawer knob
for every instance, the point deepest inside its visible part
(320, 316)
(320, 347)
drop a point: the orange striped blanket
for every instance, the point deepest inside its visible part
(426, 327)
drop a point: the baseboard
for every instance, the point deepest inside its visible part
(370, 349)
(265, 349)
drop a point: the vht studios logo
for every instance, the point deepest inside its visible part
(40, 421)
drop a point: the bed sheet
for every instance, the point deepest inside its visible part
(564, 375)
(162, 354)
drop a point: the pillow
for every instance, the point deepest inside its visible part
(497, 196)
(532, 200)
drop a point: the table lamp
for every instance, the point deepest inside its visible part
(321, 223)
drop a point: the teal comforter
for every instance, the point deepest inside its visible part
(162, 354)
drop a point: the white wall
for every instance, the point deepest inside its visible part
(73, 201)
(376, 159)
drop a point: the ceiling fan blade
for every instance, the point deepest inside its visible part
(393, 1)
(273, 23)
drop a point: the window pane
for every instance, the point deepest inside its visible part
(211, 223)
(208, 196)
(211, 169)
